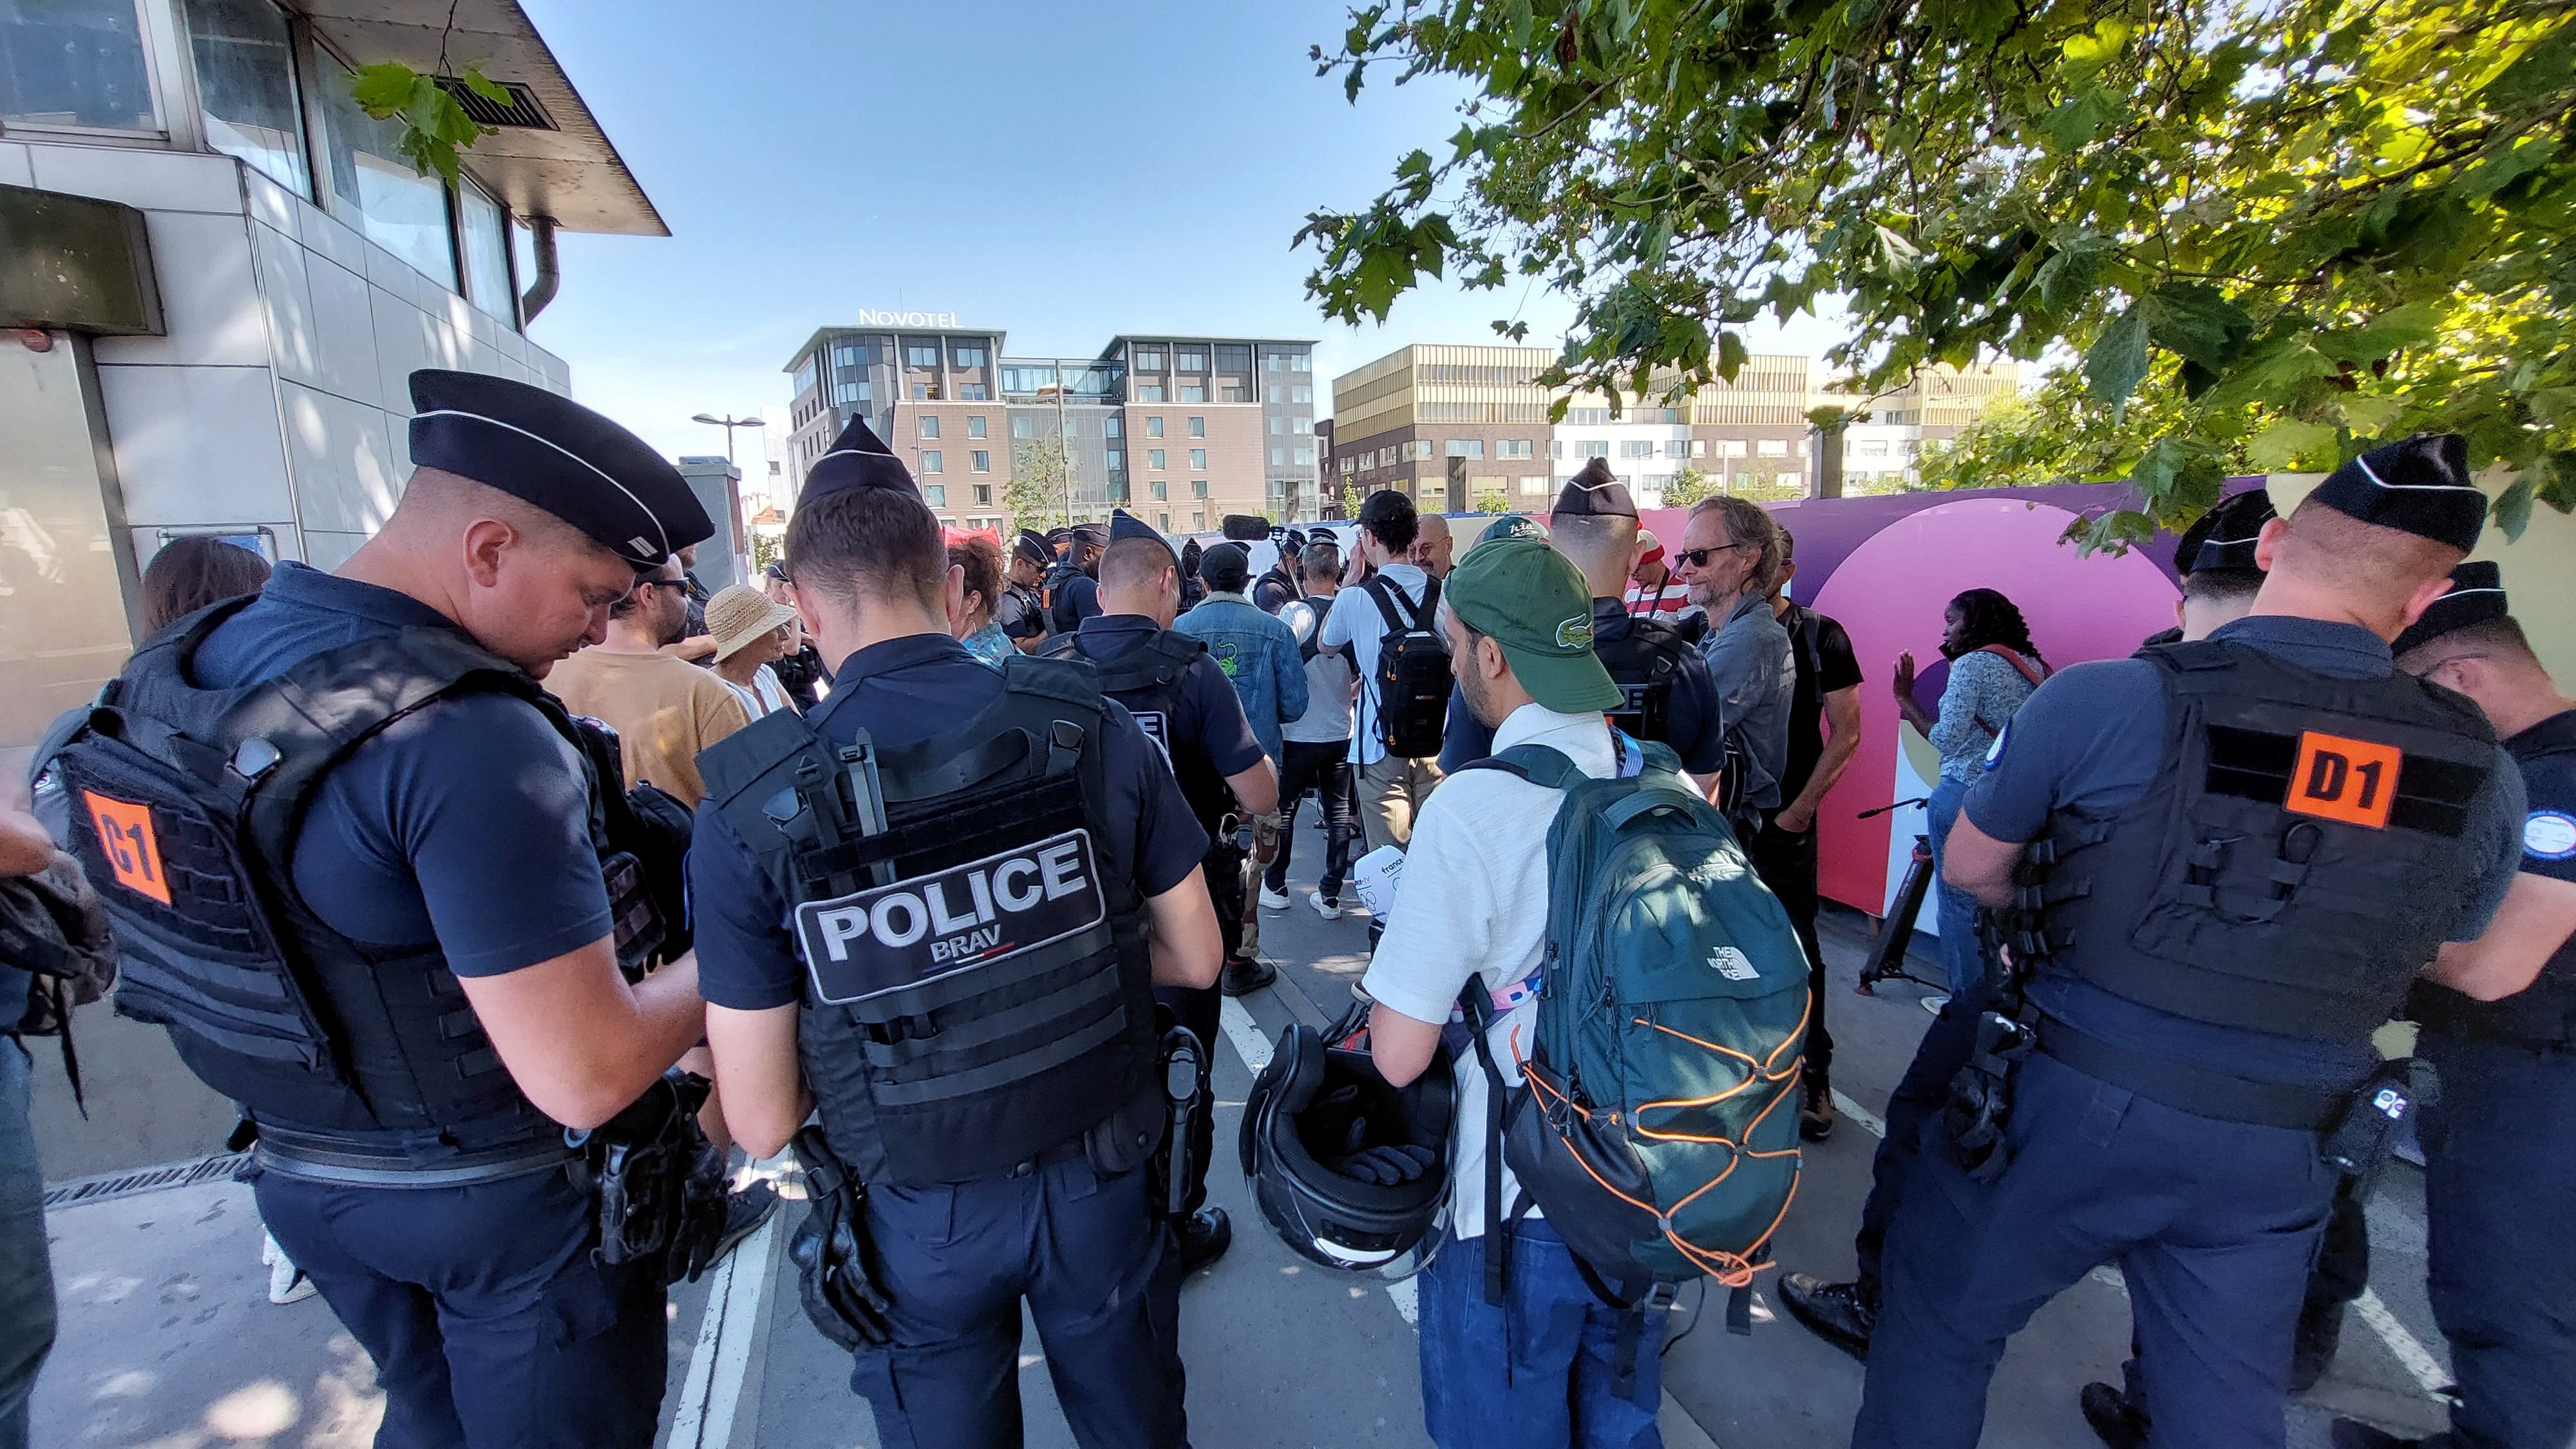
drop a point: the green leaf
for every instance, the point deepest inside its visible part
(1896, 255)
(2284, 443)
(2417, 324)
(381, 90)
(2117, 359)
(2196, 322)
(2075, 124)
(2513, 507)
(480, 85)
(2368, 417)
(2087, 53)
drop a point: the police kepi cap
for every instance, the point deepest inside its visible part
(1124, 526)
(858, 459)
(1595, 491)
(2420, 486)
(1034, 548)
(2223, 538)
(558, 455)
(1534, 603)
(1089, 535)
(2476, 595)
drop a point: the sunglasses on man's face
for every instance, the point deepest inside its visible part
(681, 585)
(1698, 557)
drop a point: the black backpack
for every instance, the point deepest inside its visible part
(1412, 671)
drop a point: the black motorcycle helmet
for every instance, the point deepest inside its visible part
(1352, 1172)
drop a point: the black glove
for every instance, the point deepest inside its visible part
(829, 1249)
(1387, 1166)
(702, 1216)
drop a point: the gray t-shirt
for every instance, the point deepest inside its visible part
(1331, 684)
(1756, 675)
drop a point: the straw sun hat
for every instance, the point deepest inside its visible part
(738, 614)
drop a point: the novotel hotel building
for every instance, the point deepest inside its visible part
(1178, 430)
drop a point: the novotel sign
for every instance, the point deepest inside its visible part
(872, 317)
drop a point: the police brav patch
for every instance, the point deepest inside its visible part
(895, 936)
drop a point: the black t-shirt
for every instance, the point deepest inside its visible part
(1825, 664)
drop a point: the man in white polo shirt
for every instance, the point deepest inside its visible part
(1518, 618)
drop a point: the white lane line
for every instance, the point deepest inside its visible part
(1254, 1049)
(720, 1362)
(2405, 1347)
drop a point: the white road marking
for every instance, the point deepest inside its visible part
(1407, 1299)
(720, 1362)
(2405, 1347)
(1241, 1030)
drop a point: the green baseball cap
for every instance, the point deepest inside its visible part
(1534, 603)
(1512, 525)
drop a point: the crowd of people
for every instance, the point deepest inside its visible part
(936, 862)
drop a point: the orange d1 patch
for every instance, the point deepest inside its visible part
(2354, 781)
(133, 852)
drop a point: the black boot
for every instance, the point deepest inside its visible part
(1243, 976)
(1834, 1312)
(2354, 1434)
(1204, 1237)
(2313, 1351)
(1816, 1112)
(2121, 1424)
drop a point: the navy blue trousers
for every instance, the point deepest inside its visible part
(2214, 1225)
(1918, 1098)
(2499, 1181)
(487, 1318)
(958, 1258)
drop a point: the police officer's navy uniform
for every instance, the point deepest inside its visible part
(1071, 593)
(418, 811)
(1001, 1116)
(2224, 917)
(1021, 611)
(1167, 680)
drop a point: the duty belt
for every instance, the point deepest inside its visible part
(2185, 1087)
(340, 1161)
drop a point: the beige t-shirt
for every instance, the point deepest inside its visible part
(663, 708)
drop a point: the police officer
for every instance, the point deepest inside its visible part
(1665, 691)
(2500, 1144)
(1072, 590)
(1175, 690)
(948, 946)
(2231, 892)
(409, 977)
(1021, 611)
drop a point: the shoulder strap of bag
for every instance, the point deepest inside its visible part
(2035, 673)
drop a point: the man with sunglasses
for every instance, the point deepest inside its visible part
(663, 708)
(1730, 553)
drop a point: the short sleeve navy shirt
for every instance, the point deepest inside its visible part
(901, 692)
(2547, 754)
(1211, 714)
(466, 822)
(2091, 739)
(1693, 724)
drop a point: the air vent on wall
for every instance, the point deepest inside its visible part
(522, 111)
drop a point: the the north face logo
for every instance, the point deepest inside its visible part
(1732, 964)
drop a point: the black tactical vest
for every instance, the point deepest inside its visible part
(2298, 858)
(1147, 679)
(1645, 661)
(184, 806)
(1058, 598)
(978, 990)
(2542, 1014)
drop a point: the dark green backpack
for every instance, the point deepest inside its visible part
(1657, 1123)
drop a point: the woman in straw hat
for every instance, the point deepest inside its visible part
(751, 630)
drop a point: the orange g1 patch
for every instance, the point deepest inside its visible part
(133, 852)
(2354, 781)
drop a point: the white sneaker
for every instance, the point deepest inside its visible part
(1329, 910)
(1273, 900)
(1935, 1002)
(286, 1282)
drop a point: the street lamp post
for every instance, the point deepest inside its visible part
(729, 422)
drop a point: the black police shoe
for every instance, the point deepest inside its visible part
(1834, 1312)
(2120, 1423)
(745, 1211)
(1243, 977)
(1816, 1113)
(2312, 1352)
(1204, 1238)
(2354, 1434)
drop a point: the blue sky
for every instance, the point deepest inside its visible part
(1062, 172)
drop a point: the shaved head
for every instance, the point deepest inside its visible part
(2325, 564)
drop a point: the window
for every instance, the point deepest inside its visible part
(1149, 392)
(1149, 359)
(1592, 450)
(1512, 448)
(980, 461)
(1301, 425)
(934, 494)
(972, 392)
(1073, 430)
(1773, 447)
(1154, 459)
(963, 358)
(854, 354)
(921, 355)
(1110, 427)
(1699, 447)
(1198, 521)
(1193, 392)
(921, 392)
(1418, 449)
(1158, 489)
(1534, 486)
(246, 85)
(1636, 447)
(1163, 520)
(1198, 459)
(1277, 393)
(486, 230)
(1198, 427)
(1194, 360)
(1024, 427)
(931, 462)
(805, 377)
(1875, 448)
(1433, 496)
(1279, 457)
(1305, 456)
(1730, 447)
(1301, 394)
(1300, 363)
(1465, 448)
(1117, 460)
(1386, 455)
(983, 491)
(374, 188)
(1276, 362)
(75, 63)
(1278, 425)
(930, 426)
(974, 427)
(845, 393)
(1234, 392)
(1198, 488)
(1233, 357)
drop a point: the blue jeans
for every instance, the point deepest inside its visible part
(1957, 909)
(1538, 1372)
(26, 1273)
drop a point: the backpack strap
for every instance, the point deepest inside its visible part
(1542, 766)
(1478, 1004)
